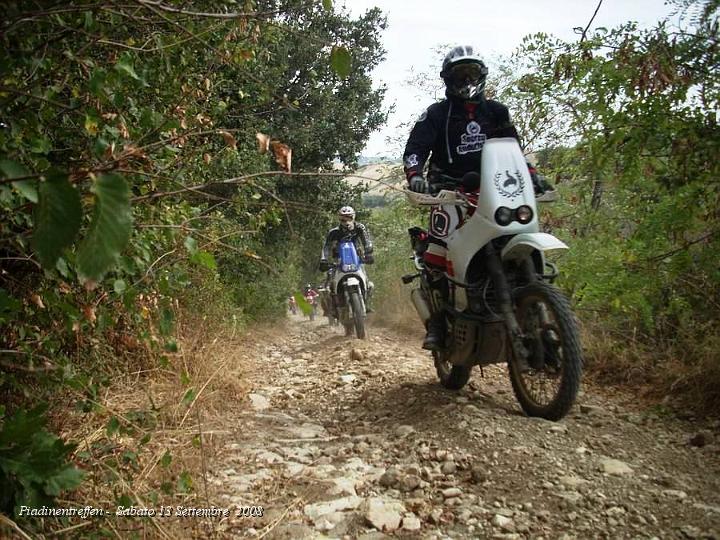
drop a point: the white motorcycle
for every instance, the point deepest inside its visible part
(350, 288)
(501, 306)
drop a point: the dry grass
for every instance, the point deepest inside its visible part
(396, 311)
(149, 405)
(682, 373)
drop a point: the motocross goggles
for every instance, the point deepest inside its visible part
(467, 80)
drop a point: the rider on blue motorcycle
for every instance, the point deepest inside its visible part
(452, 133)
(347, 229)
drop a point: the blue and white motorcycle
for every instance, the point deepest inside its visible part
(350, 289)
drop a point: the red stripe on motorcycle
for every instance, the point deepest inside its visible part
(434, 260)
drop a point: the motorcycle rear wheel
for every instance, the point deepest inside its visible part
(358, 314)
(451, 377)
(555, 352)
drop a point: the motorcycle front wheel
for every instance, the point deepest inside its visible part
(548, 385)
(358, 314)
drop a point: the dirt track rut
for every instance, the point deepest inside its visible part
(342, 438)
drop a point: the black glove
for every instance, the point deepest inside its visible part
(368, 258)
(324, 265)
(418, 184)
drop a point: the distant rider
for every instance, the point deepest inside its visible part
(452, 133)
(347, 229)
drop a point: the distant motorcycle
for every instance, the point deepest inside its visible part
(349, 289)
(503, 306)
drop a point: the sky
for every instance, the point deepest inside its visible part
(494, 27)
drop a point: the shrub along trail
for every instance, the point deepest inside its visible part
(343, 438)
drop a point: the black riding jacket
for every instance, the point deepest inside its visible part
(334, 236)
(453, 133)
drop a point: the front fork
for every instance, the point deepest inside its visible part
(502, 289)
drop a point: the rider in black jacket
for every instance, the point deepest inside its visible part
(350, 229)
(452, 134)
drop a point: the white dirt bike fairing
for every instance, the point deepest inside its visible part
(505, 182)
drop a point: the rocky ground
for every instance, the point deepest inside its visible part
(342, 438)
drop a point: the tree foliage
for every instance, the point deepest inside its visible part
(637, 159)
(130, 177)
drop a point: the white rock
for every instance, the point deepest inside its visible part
(572, 481)
(383, 514)
(343, 486)
(675, 493)
(615, 467)
(308, 431)
(503, 522)
(259, 402)
(411, 523)
(293, 469)
(269, 457)
(451, 492)
(317, 510)
(347, 378)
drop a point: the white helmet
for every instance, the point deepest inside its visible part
(464, 73)
(347, 217)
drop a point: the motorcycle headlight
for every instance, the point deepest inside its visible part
(524, 214)
(503, 216)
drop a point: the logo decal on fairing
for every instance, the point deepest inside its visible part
(411, 161)
(439, 223)
(473, 140)
(509, 184)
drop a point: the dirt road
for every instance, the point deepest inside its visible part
(348, 439)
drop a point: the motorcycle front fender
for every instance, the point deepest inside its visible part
(524, 244)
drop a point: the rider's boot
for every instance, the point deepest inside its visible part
(435, 332)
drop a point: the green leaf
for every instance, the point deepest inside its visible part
(166, 321)
(110, 228)
(190, 245)
(171, 346)
(189, 396)
(27, 189)
(166, 459)
(203, 258)
(340, 61)
(113, 426)
(125, 66)
(184, 482)
(303, 304)
(62, 267)
(67, 478)
(327, 4)
(57, 218)
(119, 286)
(12, 169)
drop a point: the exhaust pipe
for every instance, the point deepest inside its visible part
(422, 306)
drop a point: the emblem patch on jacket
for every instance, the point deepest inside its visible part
(473, 140)
(411, 161)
